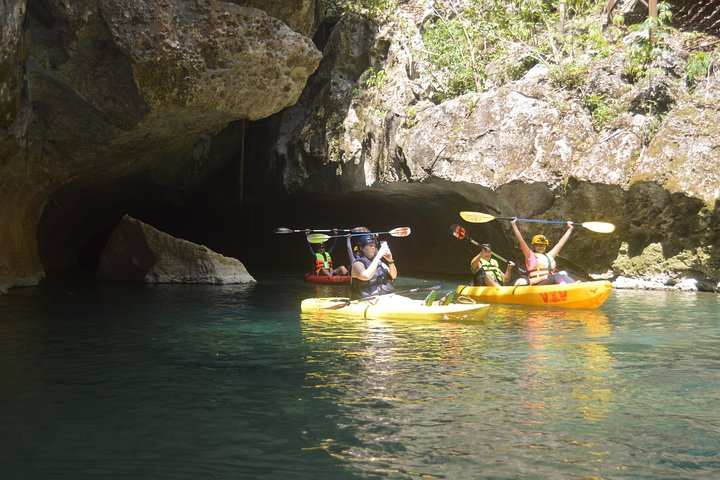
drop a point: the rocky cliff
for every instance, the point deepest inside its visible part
(107, 105)
(527, 147)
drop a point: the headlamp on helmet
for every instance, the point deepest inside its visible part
(540, 240)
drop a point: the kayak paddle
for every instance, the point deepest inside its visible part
(321, 237)
(345, 303)
(461, 234)
(477, 217)
(308, 230)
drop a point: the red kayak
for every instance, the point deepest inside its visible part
(336, 279)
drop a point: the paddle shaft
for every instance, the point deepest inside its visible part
(537, 220)
(472, 240)
(416, 289)
(309, 230)
(477, 217)
(359, 234)
(395, 232)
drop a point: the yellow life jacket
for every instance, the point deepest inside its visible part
(492, 268)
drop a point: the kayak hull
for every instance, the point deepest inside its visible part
(397, 308)
(325, 279)
(564, 295)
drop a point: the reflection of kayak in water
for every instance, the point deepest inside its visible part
(337, 279)
(393, 307)
(593, 321)
(565, 295)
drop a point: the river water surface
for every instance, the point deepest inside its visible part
(231, 382)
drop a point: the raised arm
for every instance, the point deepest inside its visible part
(332, 245)
(558, 246)
(310, 247)
(523, 246)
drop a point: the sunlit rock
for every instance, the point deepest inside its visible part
(137, 252)
(104, 102)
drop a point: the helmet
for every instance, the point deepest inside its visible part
(319, 246)
(483, 246)
(365, 239)
(540, 240)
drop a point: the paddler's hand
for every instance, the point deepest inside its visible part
(384, 250)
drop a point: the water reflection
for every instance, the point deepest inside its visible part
(412, 386)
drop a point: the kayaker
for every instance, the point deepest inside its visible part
(323, 263)
(486, 270)
(373, 270)
(541, 266)
(353, 249)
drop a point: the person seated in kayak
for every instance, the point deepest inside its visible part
(541, 265)
(374, 270)
(323, 263)
(352, 245)
(486, 270)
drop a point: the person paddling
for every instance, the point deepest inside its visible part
(541, 266)
(486, 270)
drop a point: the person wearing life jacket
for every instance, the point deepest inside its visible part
(486, 270)
(373, 270)
(323, 263)
(541, 265)
(352, 246)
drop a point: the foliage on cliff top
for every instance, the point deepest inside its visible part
(474, 45)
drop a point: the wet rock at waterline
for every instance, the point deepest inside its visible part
(138, 252)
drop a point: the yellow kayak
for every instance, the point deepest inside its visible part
(393, 307)
(565, 295)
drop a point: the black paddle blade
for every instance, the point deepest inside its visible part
(339, 305)
(457, 231)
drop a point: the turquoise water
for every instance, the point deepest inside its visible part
(231, 382)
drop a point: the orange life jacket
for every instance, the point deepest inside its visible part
(323, 260)
(544, 266)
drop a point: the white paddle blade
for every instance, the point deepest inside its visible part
(476, 217)
(600, 227)
(400, 232)
(282, 230)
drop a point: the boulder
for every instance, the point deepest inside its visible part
(137, 252)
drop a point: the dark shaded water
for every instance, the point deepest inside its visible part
(229, 382)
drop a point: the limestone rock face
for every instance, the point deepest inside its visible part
(138, 252)
(300, 15)
(652, 169)
(109, 102)
(12, 15)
